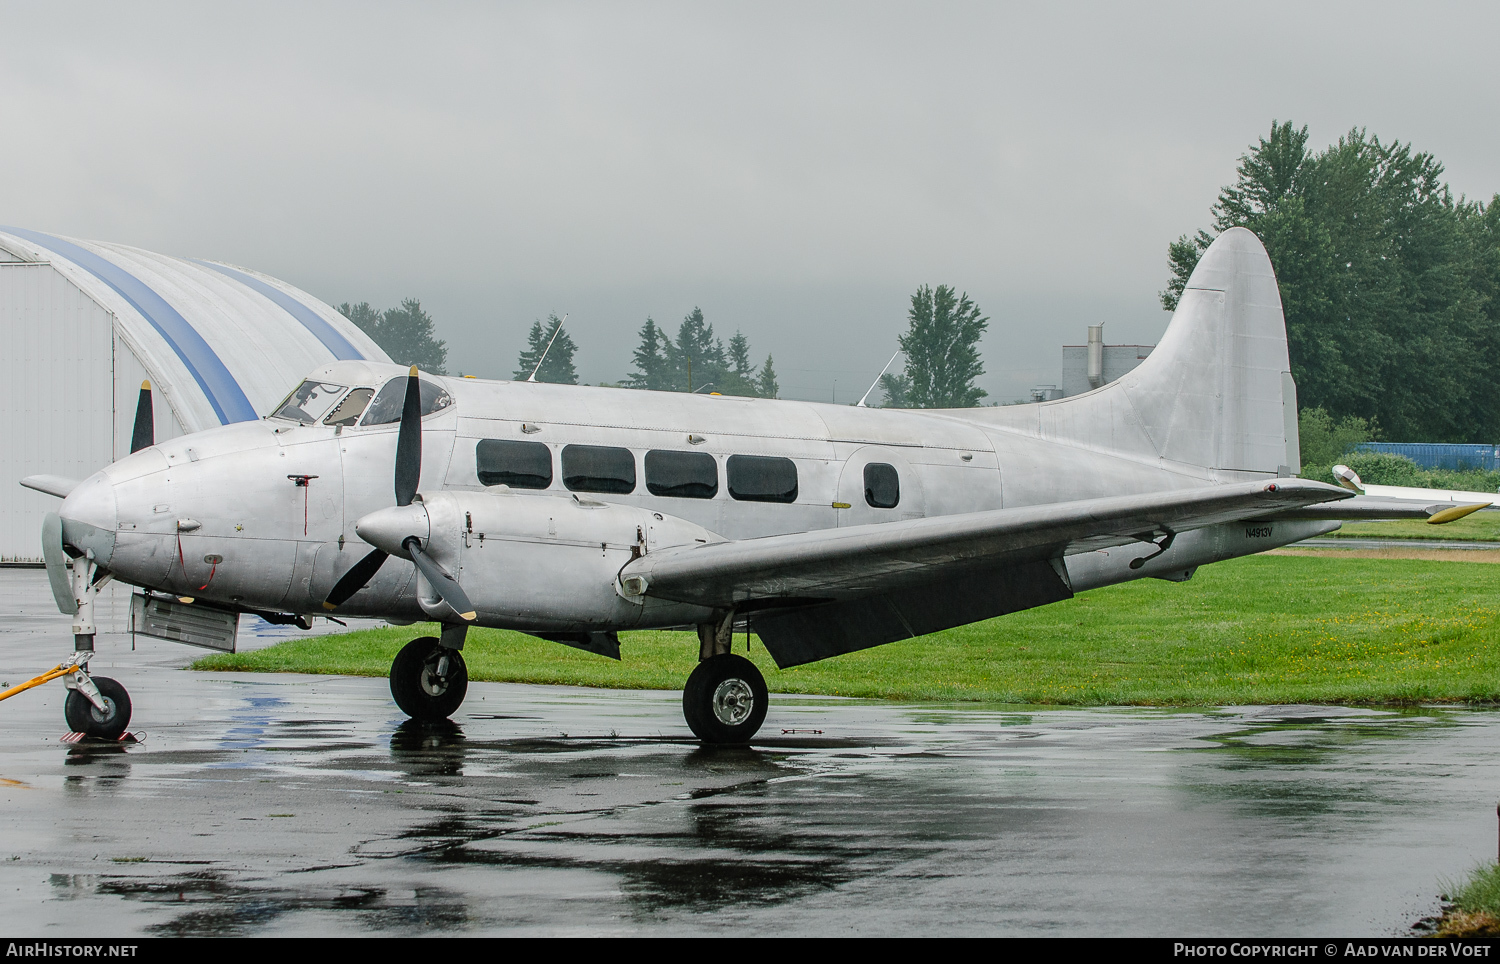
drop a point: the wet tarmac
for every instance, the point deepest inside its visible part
(268, 805)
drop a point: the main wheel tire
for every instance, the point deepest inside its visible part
(106, 724)
(725, 699)
(418, 689)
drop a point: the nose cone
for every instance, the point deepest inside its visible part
(90, 518)
(388, 528)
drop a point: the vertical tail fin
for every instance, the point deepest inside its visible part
(1216, 393)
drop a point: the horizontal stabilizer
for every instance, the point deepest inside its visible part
(51, 484)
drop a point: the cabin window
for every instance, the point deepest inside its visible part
(760, 478)
(520, 465)
(309, 401)
(598, 468)
(882, 485)
(682, 475)
(348, 411)
(388, 404)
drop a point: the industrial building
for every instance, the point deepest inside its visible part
(1087, 367)
(86, 322)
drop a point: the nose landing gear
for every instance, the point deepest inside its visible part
(84, 713)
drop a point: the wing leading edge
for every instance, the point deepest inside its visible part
(811, 595)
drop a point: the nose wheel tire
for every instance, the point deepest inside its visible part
(725, 699)
(86, 718)
(428, 682)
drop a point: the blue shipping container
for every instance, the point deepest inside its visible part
(1440, 455)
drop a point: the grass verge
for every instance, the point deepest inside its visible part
(1266, 629)
(1472, 906)
(1479, 527)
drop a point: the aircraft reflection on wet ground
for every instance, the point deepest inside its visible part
(264, 804)
(282, 805)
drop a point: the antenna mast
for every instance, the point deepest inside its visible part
(861, 402)
(555, 332)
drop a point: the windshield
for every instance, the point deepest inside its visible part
(347, 412)
(387, 405)
(310, 402)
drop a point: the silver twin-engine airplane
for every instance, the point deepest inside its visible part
(572, 513)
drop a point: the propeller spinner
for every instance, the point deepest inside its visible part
(393, 531)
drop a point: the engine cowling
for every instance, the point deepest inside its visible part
(545, 563)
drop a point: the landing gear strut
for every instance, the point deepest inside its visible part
(725, 698)
(95, 706)
(429, 679)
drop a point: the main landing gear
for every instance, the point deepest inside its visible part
(429, 679)
(724, 701)
(725, 698)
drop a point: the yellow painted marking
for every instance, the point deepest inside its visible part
(1457, 512)
(841, 505)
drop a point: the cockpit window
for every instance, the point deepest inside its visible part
(309, 402)
(347, 412)
(387, 405)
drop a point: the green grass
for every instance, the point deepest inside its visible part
(1479, 893)
(1266, 629)
(1479, 527)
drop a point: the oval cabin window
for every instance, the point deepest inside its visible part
(682, 475)
(598, 468)
(761, 478)
(520, 465)
(882, 485)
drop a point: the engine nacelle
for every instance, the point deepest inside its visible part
(549, 563)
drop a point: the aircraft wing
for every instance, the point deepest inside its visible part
(831, 564)
(811, 595)
(1371, 508)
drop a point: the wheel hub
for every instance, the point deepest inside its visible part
(433, 684)
(733, 702)
(104, 715)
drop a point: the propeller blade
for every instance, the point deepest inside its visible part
(145, 424)
(442, 583)
(409, 442)
(355, 579)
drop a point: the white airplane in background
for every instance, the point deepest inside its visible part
(572, 513)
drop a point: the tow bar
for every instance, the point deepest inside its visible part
(76, 665)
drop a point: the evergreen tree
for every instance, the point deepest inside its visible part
(557, 364)
(739, 377)
(1386, 281)
(942, 349)
(407, 333)
(765, 383)
(698, 356)
(653, 370)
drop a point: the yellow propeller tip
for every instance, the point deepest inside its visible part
(414, 371)
(469, 616)
(146, 385)
(329, 606)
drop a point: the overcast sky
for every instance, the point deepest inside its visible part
(796, 170)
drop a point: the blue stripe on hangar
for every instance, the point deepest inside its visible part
(219, 387)
(330, 336)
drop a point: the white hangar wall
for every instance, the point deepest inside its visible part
(84, 323)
